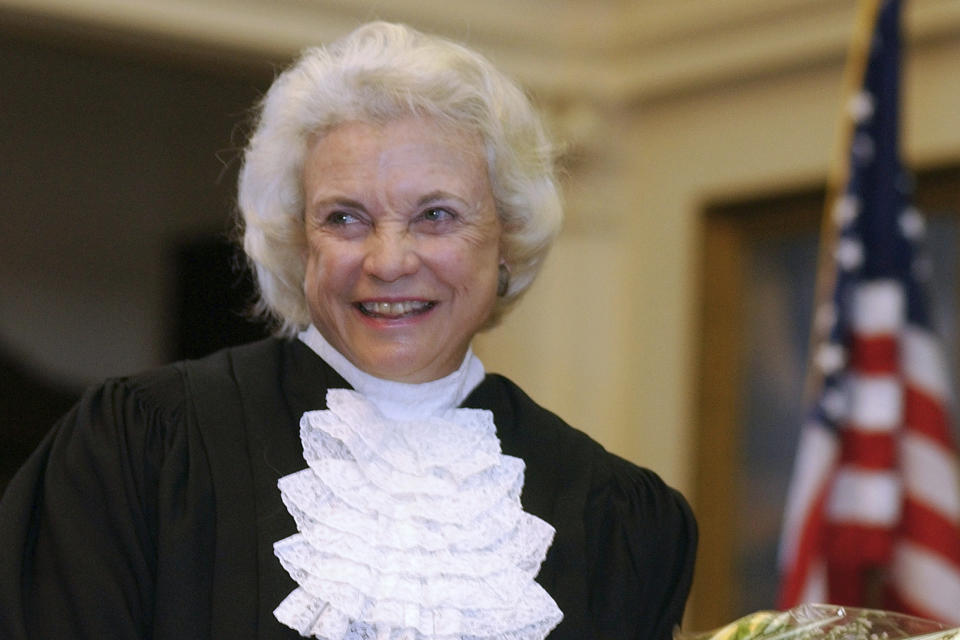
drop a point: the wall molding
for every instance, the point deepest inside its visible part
(609, 51)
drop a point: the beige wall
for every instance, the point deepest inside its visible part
(668, 105)
(626, 297)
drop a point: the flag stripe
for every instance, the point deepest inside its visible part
(925, 583)
(927, 528)
(808, 574)
(848, 543)
(816, 458)
(930, 474)
(865, 497)
(877, 309)
(873, 355)
(876, 402)
(924, 363)
(924, 415)
(868, 450)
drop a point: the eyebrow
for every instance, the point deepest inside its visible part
(339, 201)
(439, 194)
(433, 196)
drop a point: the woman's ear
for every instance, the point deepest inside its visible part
(503, 278)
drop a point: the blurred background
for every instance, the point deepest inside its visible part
(671, 319)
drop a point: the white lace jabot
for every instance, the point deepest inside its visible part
(409, 518)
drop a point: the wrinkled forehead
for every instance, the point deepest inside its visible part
(409, 128)
(414, 153)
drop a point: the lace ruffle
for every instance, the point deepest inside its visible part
(410, 530)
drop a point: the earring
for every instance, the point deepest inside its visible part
(503, 280)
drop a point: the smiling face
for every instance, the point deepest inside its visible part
(403, 245)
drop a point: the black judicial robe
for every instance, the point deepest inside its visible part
(150, 510)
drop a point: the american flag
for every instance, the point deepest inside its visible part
(873, 512)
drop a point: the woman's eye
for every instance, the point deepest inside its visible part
(437, 214)
(339, 218)
(345, 224)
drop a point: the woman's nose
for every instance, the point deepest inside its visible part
(391, 255)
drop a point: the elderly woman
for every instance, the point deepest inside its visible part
(359, 475)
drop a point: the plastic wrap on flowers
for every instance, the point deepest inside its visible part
(827, 622)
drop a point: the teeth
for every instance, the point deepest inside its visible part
(394, 308)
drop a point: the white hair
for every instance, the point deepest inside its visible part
(378, 73)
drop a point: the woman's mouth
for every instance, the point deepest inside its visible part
(395, 310)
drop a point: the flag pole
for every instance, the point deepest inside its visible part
(838, 174)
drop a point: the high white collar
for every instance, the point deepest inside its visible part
(401, 400)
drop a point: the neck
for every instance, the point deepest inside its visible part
(401, 400)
